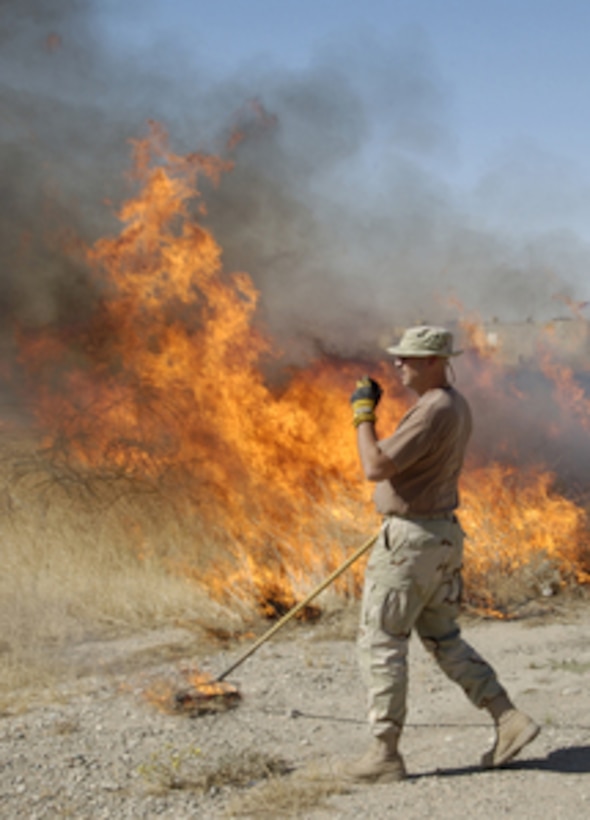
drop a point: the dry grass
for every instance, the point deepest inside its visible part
(256, 784)
(501, 589)
(87, 560)
(173, 768)
(504, 590)
(283, 797)
(89, 557)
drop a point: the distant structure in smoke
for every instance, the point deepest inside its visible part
(519, 343)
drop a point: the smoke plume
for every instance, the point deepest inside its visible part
(334, 207)
(331, 209)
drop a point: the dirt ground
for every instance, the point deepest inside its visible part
(96, 747)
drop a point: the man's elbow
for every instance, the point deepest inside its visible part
(377, 472)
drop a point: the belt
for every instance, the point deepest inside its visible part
(442, 516)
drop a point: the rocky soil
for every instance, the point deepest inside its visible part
(98, 746)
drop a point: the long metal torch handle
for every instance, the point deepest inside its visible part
(301, 605)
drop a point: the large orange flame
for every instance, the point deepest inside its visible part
(169, 377)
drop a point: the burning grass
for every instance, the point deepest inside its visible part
(88, 557)
(172, 479)
(525, 540)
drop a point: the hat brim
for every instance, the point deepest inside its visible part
(404, 353)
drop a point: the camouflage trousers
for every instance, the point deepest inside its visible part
(413, 581)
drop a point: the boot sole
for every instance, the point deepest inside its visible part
(384, 777)
(392, 775)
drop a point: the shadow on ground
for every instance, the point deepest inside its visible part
(569, 760)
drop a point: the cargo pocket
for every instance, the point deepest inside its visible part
(395, 535)
(396, 613)
(449, 594)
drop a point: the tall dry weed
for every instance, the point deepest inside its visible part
(84, 557)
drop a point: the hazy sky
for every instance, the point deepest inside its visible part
(510, 74)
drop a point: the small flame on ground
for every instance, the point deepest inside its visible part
(197, 693)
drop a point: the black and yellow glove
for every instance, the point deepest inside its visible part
(364, 400)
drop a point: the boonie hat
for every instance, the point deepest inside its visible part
(425, 340)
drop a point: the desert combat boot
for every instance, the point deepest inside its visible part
(514, 729)
(381, 763)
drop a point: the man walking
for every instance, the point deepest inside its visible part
(413, 577)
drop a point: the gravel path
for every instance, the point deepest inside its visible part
(98, 748)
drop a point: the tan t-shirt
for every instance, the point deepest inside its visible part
(427, 450)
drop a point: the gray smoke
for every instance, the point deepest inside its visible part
(54, 140)
(334, 207)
